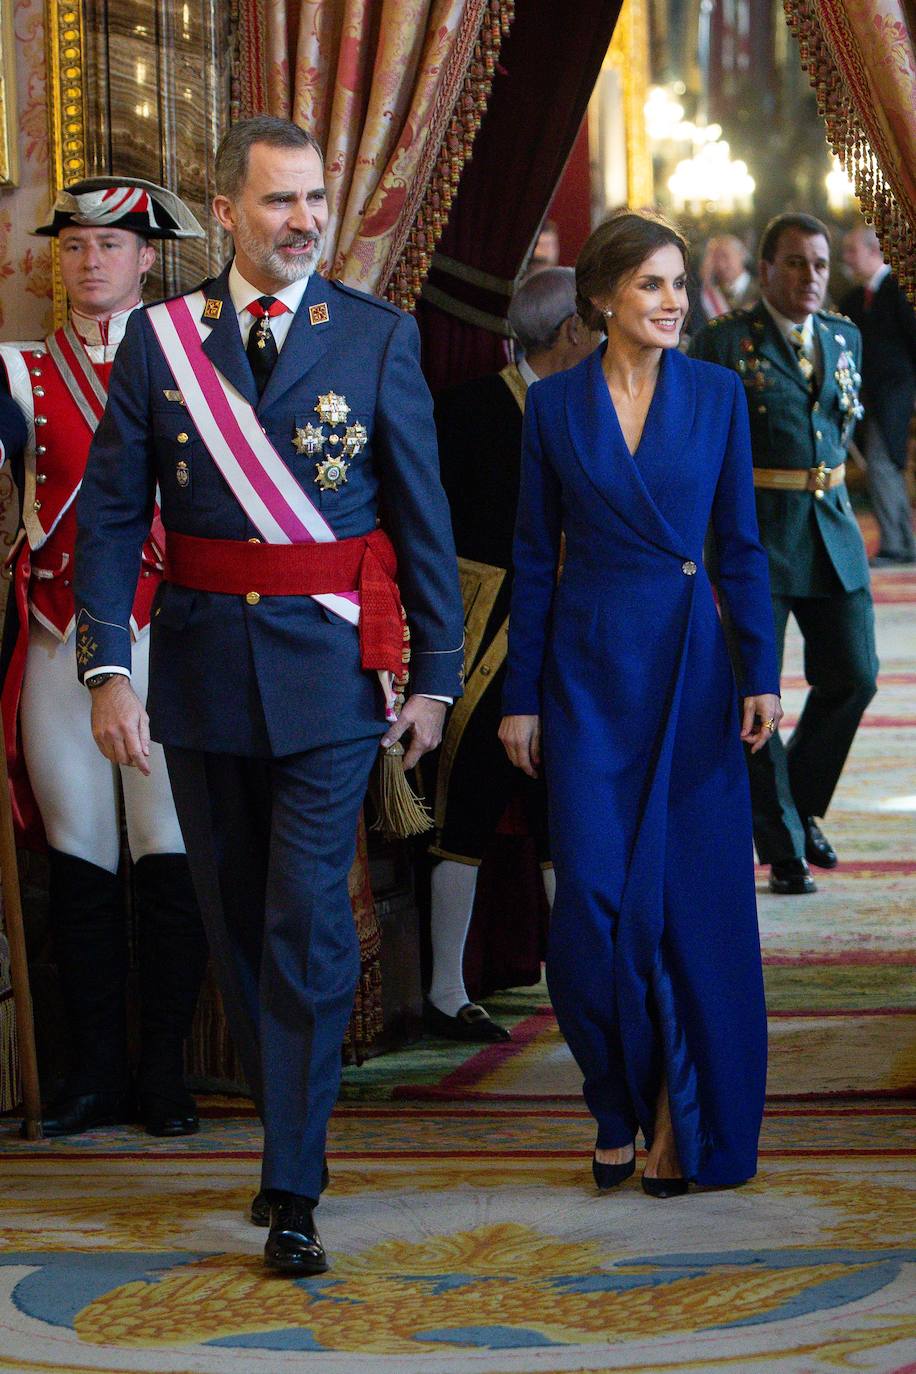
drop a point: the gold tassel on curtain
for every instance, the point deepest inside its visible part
(411, 252)
(859, 56)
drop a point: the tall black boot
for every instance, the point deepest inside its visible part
(88, 928)
(173, 958)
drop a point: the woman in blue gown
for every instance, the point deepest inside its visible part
(619, 677)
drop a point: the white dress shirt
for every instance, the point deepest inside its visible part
(243, 293)
(810, 345)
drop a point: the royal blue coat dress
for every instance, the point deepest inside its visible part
(654, 957)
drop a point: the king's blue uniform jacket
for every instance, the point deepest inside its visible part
(282, 675)
(269, 722)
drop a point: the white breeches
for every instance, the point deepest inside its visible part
(75, 786)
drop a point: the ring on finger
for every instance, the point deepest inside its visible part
(770, 725)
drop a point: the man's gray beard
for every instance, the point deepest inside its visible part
(273, 263)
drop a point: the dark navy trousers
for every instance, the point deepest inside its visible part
(270, 843)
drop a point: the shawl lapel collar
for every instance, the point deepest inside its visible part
(304, 344)
(598, 442)
(223, 345)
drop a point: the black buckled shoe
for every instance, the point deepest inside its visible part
(260, 1203)
(169, 1114)
(293, 1244)
(472, 1023)
(818, 849)
(791, 877)
(73, 1113)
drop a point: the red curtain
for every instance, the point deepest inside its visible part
(547, 70)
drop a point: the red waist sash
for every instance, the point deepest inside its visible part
(249, 568)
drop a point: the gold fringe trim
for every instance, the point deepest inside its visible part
(866, 160)
(455, 151)
(366, 1023)
(10, 1087)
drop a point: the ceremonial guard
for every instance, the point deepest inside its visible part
(800, 367)
(479, 424)
(63, 791)
(287, 424)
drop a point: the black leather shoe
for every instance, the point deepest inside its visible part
(610, 1175)
(664, 1187)
(791, 877)
(260, 1203)
(472, 1023)
(818, 849)
(293, 1244)
(173, 1115)
(73, 1113)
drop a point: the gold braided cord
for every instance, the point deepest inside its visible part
(411, 255)
(865, 135)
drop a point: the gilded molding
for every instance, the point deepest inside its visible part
(629, 56)
(9, 124)
(66, 111)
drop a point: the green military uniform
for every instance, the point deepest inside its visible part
(818, 565)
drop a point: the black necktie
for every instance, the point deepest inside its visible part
(262, 346)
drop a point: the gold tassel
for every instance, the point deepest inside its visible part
(401, 814)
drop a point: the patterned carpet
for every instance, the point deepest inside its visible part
(462, 1225)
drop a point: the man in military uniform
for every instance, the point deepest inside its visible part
(62, 790)
(283, 417)
(479, 424)
(800, 368)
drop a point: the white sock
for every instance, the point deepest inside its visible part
(453, 888)
(550, 885)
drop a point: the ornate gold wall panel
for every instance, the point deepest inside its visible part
(9, 141)
(142, 88)
(629, 51)
(66, 112)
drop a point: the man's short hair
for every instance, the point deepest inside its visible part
(808, 224)
(232, 154)
(541, 305)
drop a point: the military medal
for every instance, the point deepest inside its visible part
(332, 409)
(331, 474)
(309, 440)
(332, 467)
(182, 475)
(354, 439)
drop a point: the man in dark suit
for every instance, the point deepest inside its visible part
(284, 417)
(800, 368)
(888, 325)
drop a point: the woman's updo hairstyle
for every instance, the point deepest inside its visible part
(614, 251)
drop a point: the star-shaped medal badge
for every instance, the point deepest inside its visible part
(331, 474)
(332, 409)
(309, 440)
(354, 439)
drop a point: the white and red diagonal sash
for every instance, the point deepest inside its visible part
(257, 476)
(78, 375)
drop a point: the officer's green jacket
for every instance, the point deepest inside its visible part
(809, 537)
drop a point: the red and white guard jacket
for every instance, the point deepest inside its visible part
(52, 382)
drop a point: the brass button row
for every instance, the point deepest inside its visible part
(253, 597)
